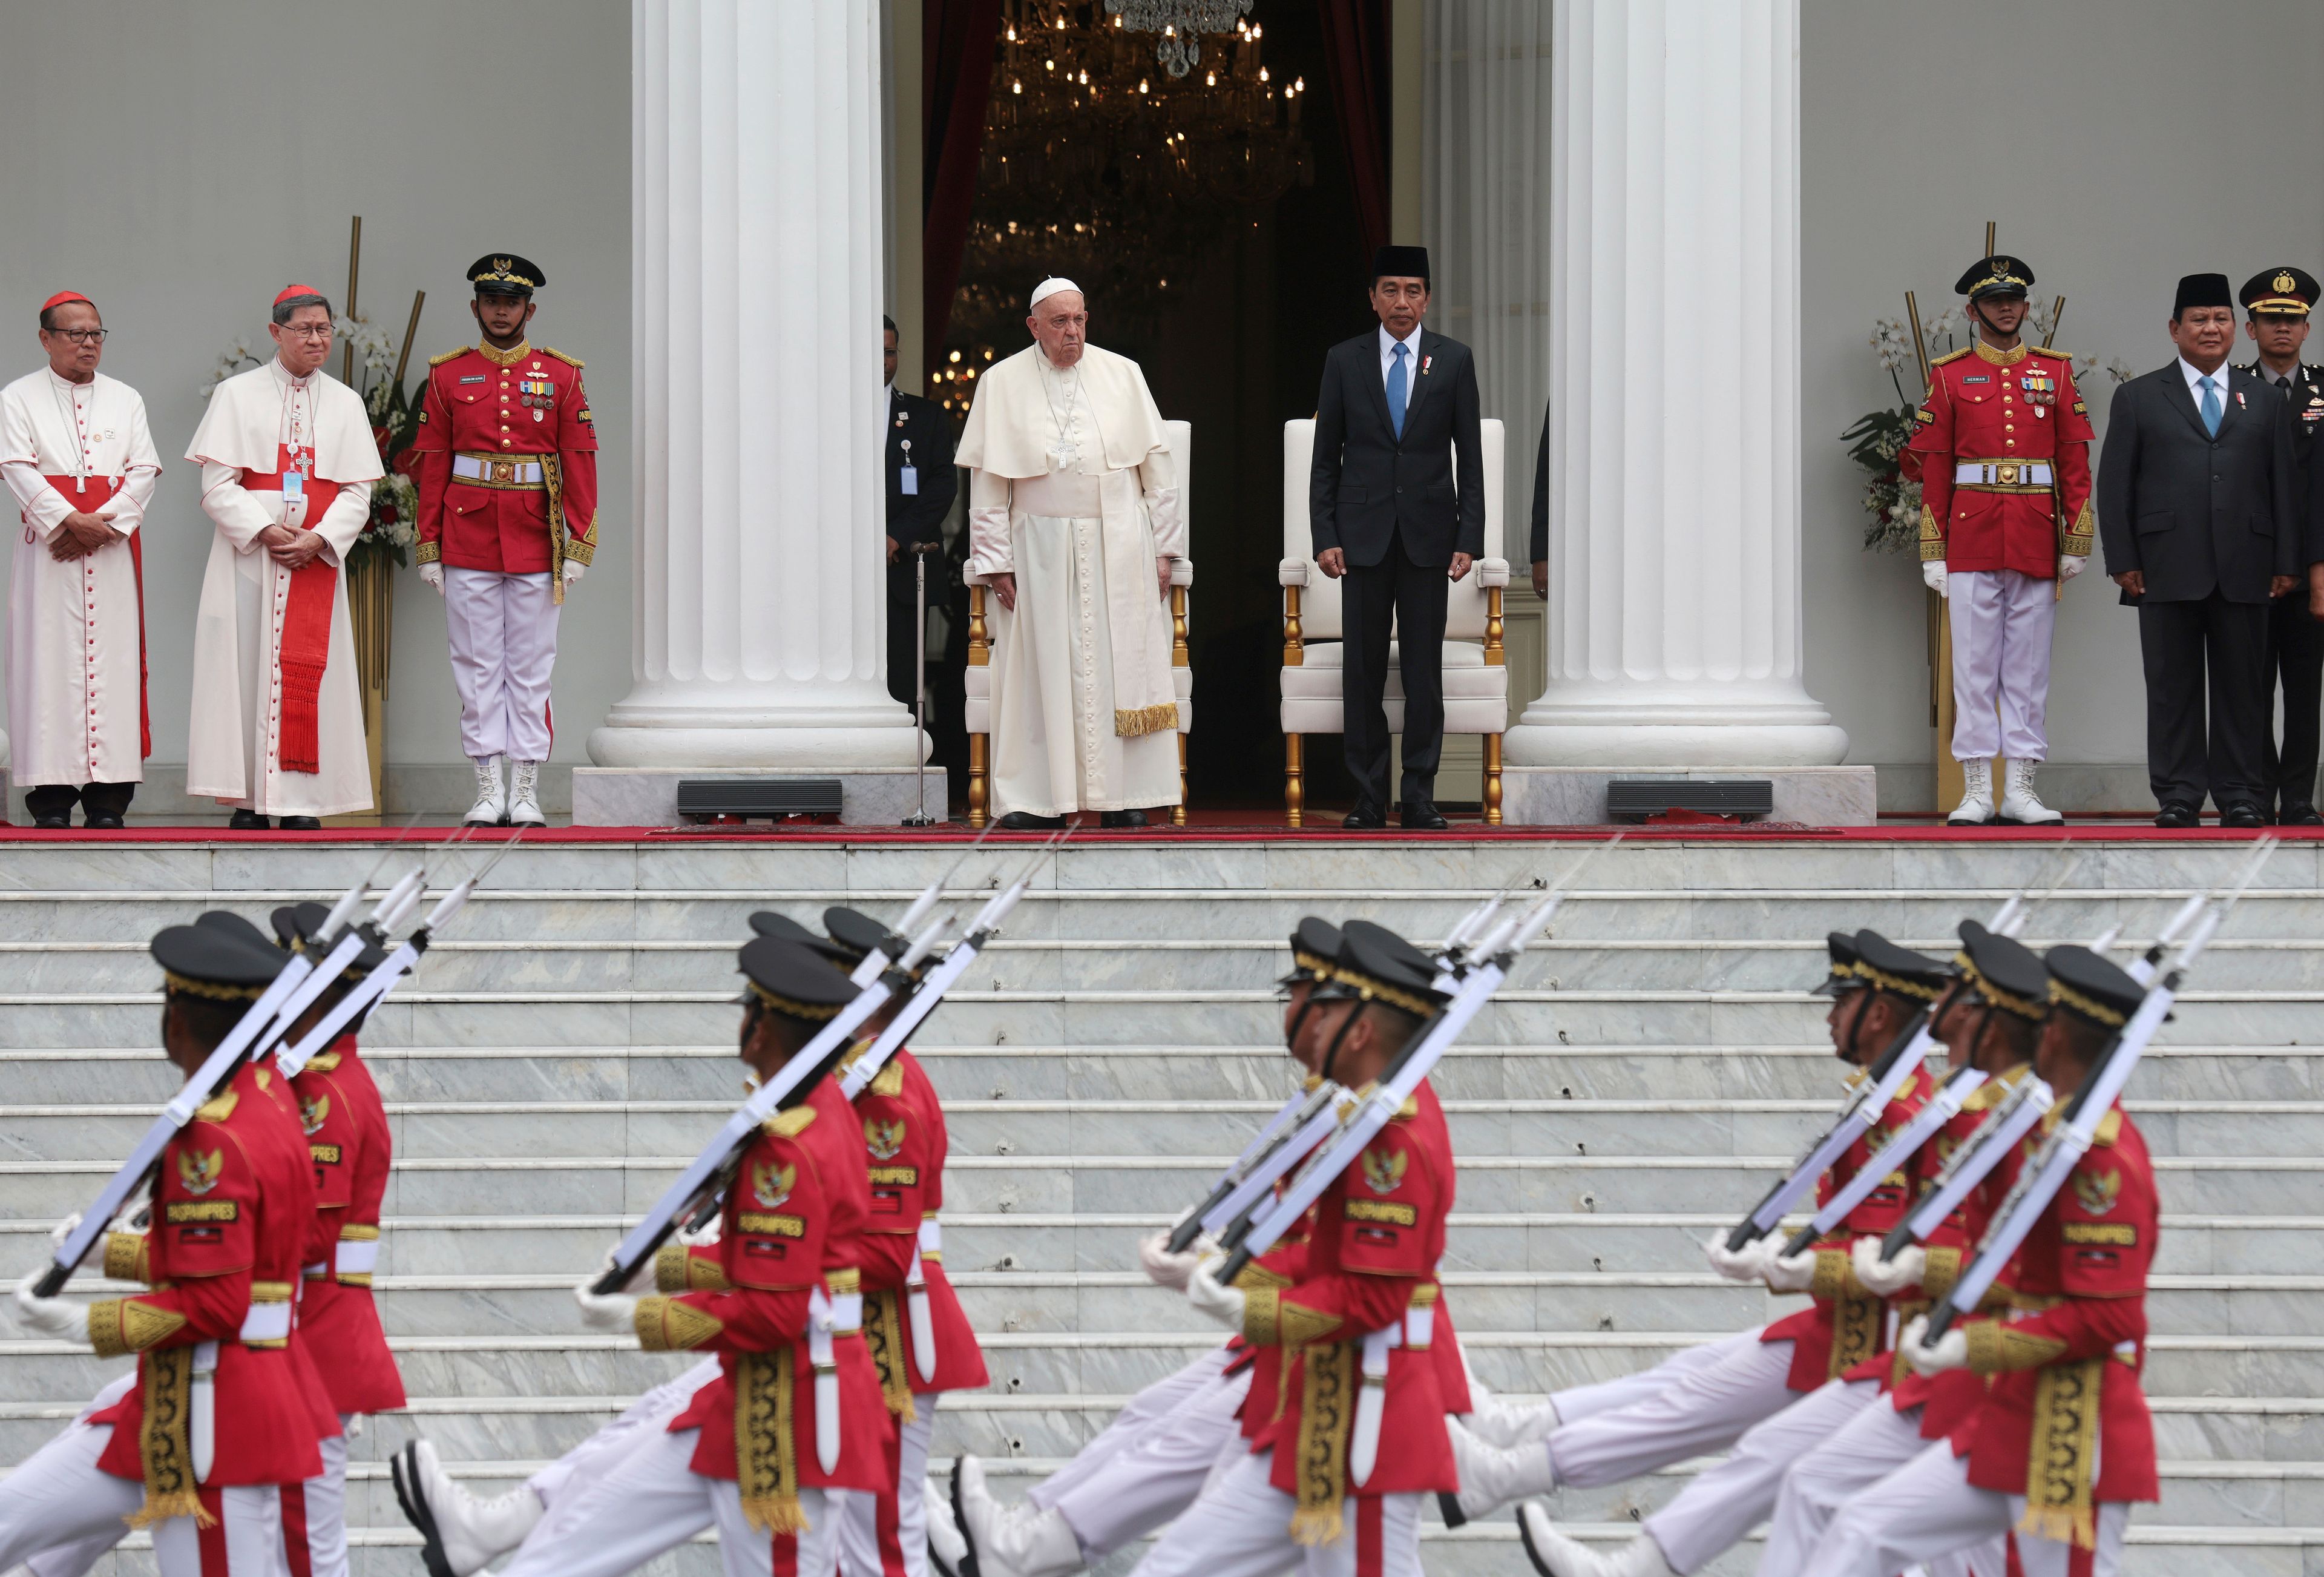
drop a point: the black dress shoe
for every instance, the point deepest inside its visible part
(1122, 818)
(53, 822)
(302, 824)
(249, 821)
(111, 824)
(1019, 821)
(2175, 816)
(1366, 818)
(2298, 814)
(1421, 815)
(2242, 813)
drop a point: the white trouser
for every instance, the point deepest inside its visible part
(246, 1542)
(57, 1507)
(902, 1516)
(650, 1502)
(648, 1416)
(504, 631)
(1705, 1408)
(1866, 1450)
(1157, 1457)
(1243, 1528)
(2001, 625)
(1722, 1503)
(1580, 1402)
(315, 1512)
(1929, 1507)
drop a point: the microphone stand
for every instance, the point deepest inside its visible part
(920, 551)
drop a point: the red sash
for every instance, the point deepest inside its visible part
(96, 494)
(305, 646)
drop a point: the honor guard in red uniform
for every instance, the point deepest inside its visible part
(219, 1426)
(2003, 446)
(507, 472)
(2276, 302)
(2061, 1442)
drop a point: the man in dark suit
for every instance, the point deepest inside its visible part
(2202, 528)
(1397, 506)
(2276, 302)
(920, 487)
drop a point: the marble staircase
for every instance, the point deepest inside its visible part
(570, 1044)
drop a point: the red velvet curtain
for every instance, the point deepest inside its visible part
(959, 39)
(1356, 44)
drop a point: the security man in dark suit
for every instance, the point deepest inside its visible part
(921, 482)
(2276, 302)
(2202, 527)
(1395, 505)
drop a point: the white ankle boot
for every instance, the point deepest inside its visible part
(1492, 1477)
(1975, 807)
(946, 1546)
(1556, 1555)
(1020, 1540)
(525, 797)
(1498, 1421)
(471, 1533)
(2020, 804)
(491, 807)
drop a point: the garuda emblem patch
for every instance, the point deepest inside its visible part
(313, 1114)
(201, 1173)
(883, 1140)
(1385, 1173)
(770, 1186)
(2098, 1191)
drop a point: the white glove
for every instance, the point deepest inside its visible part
(2070, 565)
(1223, 1304)
(1163, 1268)
(57, 1316)
(433, 574)
(64, 1230)
(1744, 1264)
(614, 1311)
(1951, 1351)
(641, 1280)
(1792, 1274)
(1888, 1278)
(574, 570)
(704, 1235)
(1933, 572)
(354, 1427)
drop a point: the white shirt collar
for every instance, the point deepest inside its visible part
(282, 374)
(2195, 379)
(68, 385)
(1411, 343)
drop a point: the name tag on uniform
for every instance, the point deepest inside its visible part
(912, 481)
(294, 484)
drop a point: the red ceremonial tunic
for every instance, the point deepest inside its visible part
(520, 409)
(792, 1226)
(233, 1207)
(349, 1147)
(1370, 1262)
(1998, 410)
(905, 1144)
(2078, 1325)
(1845, 1325)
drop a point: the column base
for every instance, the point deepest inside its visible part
(1576, 796)
(648, 796)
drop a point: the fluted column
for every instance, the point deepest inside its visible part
(756, 637)
(1674, 623)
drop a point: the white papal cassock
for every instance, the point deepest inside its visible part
(76, 629)
(261, 631)
(1072, 488)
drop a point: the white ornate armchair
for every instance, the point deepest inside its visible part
(1476, 677)
(978, 681)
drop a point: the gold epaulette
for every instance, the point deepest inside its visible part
(789, 1124)
(2066, 356)
(449, 355)
(1953, 355)
(561, 355)
(217, 1108)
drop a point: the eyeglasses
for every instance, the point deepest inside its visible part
(306, 330)
(81, 336)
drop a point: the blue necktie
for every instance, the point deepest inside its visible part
(1395, 392)
(2211, 410)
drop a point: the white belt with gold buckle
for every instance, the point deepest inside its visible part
(2002, 473)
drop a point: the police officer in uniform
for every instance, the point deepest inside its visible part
(920, 483)
(2276, 302)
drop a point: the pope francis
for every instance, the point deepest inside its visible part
(1074, 518)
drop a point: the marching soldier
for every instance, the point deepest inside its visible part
(507, 463)
(2276, 302)
(2003, 446)
(2030, 1458)
(219, 1423)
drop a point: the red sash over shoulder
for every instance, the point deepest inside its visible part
(304, 646)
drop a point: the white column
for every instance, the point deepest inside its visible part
(756, 621)
(1674, 626)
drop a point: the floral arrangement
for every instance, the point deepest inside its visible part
(1892, 501)
(394, 523)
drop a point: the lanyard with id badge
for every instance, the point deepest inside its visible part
(908, 474)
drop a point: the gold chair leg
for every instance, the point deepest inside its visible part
(1178, 811)
(1492, 780)
(978, 789)
(1294, 786)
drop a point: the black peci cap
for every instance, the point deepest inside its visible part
(791, 979)
(1998, 275)
(2004, 971)
(2091, 989)
(1888, 967)
(1409, 262)
(215, 964)
(2201, 290)
(2279, 292)
(504, 274)
(1842, 975)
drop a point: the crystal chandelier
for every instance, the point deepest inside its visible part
(1181, 24)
